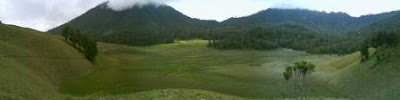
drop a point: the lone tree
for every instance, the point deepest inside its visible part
(297, 73)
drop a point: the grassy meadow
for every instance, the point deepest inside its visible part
(191, 65)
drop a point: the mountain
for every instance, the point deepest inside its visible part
(330, 23)
(139, 25)
(33, 64)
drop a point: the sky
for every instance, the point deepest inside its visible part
(43, 15)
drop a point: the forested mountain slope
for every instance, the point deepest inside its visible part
(328, 23)
(139, 25)
(390, 24)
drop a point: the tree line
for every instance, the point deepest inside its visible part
(284, 36)
(80, 42)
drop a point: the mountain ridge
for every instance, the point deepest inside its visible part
(156, 24)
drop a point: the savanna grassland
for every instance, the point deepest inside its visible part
(191, 65)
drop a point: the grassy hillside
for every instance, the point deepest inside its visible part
(33, 64)
(372, 79)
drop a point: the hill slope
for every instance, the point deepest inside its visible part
(371, 80)
(144, 25)
(33, 64)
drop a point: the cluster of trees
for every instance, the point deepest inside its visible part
(80, 42)
(380, 39)
(284, 36)
(384, 39)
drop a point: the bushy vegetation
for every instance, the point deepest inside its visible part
(80, 42)
(297, 73)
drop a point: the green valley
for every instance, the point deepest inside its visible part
(149, 50)
(190, 64)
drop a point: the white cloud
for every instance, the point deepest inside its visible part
(219, 9)
(42, 15)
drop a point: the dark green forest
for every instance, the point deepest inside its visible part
(284, 36)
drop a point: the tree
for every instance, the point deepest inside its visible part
(364, 53)
(297, 74)
(66, 32)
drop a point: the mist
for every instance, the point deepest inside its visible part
(119, 5)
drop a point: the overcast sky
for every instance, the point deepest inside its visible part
(46, 14)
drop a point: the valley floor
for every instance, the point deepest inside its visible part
(191, 65)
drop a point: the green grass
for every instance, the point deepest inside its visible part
(191, 65)
(38, 75)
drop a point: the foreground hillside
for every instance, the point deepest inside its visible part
(373, 79)
(33, 64)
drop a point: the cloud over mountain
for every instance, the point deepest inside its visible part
(126, 4)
